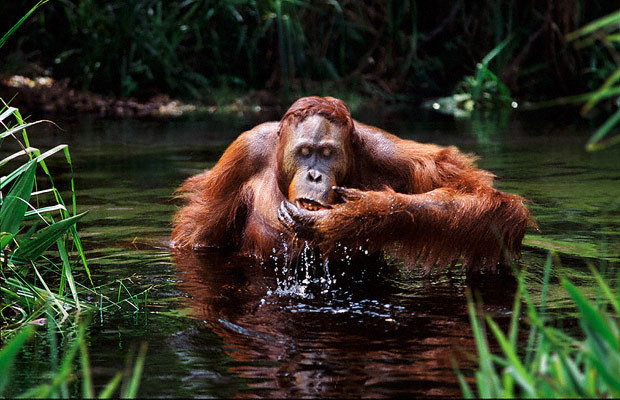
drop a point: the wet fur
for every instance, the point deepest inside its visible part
(425, 203)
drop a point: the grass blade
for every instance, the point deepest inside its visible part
(602, 131)
(615, 301)
(9, 353)
(591, 319)
(600, 93)
(111, 387)
(13, 175)
(519, 371)
(66, 271)
(134, 383)
(87, 382)
(25, 152)
(612, 19)
(15, 204)
(32, 248)
(488, 382)
(7, 113)
(20, 22)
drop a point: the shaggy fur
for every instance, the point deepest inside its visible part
(427, 204)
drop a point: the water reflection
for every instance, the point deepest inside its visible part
(251, 332)
(367, 335)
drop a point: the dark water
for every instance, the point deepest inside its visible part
(225, 326)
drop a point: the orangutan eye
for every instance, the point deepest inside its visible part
(326, 152)
(305, 151)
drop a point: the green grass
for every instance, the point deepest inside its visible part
(40, 253)
(45, 278)
(73, 365)
(552, 364)
(35, 218)
(11, 31)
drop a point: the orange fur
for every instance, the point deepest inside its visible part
(426, 203)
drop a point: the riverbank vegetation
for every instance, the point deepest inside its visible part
(399, 50)
(555, 363)
(41, 283)
(472, 55)
(41, 253)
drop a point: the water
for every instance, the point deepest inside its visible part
(225, 326)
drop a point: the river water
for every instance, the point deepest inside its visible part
(225, 326)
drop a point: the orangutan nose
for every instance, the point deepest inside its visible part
(314, 176)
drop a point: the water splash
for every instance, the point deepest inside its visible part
(304, 276)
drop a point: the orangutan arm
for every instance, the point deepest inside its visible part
(434, 228)
(447, 209)
(216, 199)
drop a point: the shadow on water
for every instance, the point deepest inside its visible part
(226, 326)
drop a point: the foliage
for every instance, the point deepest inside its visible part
(482, 92)
(20, 22)
(602, 37)
(63, 373)
(39, 284)
(554, 364)
(396, 50)
(34, 217)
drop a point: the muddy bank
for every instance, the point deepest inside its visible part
(44, 97)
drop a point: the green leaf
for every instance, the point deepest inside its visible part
(32, 248)
(15, 204)
(9, 352)
(21, 21)
(23, 152)
(134, 382)
(615, 301)
(491, 383)
(609, 377)
(18, 128)
(7, 112)
(520, 372)
(467, 393)
(612, 20)
(593, 320)
(601, 92)
(40, 159)
(87, 382)
(593, 144)
(109, 389)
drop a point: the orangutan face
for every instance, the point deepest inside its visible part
(314, 160)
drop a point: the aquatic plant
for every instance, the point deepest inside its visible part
(65, 367)
(602, 38)
(483, 91)
(554, 364)
(37, 282)
(34, 217)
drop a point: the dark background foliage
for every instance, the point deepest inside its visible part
(393, 49)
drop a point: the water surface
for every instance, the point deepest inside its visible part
(225, 326)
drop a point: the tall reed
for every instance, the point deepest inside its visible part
(553, 363)
(67, 369)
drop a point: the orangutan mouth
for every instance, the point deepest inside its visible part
(311, 205)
